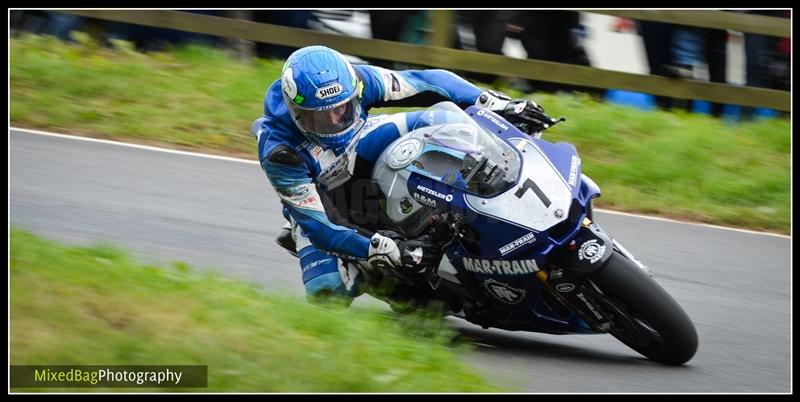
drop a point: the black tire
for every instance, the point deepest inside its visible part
(647, 318)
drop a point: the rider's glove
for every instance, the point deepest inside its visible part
(411, 256)
(527, 116)
(524, 114)
(383, 252)
(493, 100)
(419, 253)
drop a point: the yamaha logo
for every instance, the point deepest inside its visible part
(558, 213)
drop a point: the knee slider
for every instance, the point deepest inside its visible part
(329, 284)
(320, 272)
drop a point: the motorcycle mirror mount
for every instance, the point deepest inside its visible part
(538, 134)
(556, 121)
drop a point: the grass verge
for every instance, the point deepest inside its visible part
(73, 305)
(675, 164)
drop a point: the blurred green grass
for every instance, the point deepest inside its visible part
(674, 164)
(95, 305)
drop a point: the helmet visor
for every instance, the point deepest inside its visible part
(330, 120)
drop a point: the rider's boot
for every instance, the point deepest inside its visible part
(285, 239)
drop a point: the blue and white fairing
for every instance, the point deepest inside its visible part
(535, 203)
(542, 194)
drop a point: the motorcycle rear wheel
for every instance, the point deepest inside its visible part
(646, 318)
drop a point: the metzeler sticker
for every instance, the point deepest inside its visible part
(446, 197)
(504, 292)
(491, 118)
(528, 238)
(591, 251)
(500, 267)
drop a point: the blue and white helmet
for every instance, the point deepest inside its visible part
(323, 95)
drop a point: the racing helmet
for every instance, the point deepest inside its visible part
(323, 94)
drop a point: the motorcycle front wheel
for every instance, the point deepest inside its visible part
(646, 318)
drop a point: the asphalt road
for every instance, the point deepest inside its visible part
(736, 286)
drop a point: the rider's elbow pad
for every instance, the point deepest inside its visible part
(284, 155)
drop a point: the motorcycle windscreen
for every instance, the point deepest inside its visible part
(487, 165)
(540, 200)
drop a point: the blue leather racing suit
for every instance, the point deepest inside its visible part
(301, 170)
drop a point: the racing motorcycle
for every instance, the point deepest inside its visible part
(511, 214)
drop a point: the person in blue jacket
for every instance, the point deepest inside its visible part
(315, 133)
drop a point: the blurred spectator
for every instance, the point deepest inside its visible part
(390, 25)
(410, 26)
(15, 22)
(489, 28)
(657, 37)
(692, 46)
(145, 38)
(46, 23)
(623, 25)
(545, 35)
(553, 36)
(60, 25)
(290, 18)
(767, 59)
(676, 51)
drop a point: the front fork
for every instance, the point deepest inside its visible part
(627, 254)
(572, 287)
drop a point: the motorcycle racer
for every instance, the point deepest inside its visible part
(315, 135)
